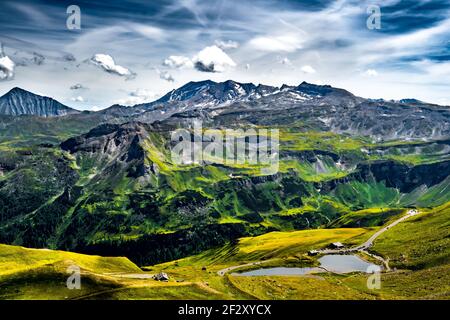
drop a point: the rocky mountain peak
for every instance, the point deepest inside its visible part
(22, 102)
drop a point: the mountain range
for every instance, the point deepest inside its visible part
(318, 106)
(105, 183)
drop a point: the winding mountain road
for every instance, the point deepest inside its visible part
(366, 245)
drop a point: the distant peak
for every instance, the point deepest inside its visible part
(18, 101)
(202, 82)
(307, 84)
(285, 86)
(410, 100)
(313, 89)
(18, 89)
(321, 90)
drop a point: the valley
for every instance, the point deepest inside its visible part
(82, 186)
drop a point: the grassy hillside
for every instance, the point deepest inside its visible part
(111, 190)
(27, 130)
(42, 274)
(420, 242)
(418, 247)
(15, 259)
(286, 244)
(366, 218)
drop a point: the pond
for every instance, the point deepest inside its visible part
(328, 263)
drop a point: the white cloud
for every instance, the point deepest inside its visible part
(371, 73)
(433, 69)
(308, 69)
(283, 43)
(212, 59)
(137, 96)
(224, 45)
(107, 63)
(179, 62)
(78, 99)
(6, 66)
(147, 31)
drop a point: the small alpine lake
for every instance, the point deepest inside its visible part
(329, 263)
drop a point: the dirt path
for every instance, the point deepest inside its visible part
(131, 275)
(126, 287)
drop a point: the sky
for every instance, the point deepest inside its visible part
(130, 52)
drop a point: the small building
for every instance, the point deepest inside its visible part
(162, 276)
(336, 245)
(313, 253)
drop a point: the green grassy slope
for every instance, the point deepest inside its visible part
(420, 242)
(418, 247)
(15, 259)
(117, 185)
(366, 218)
(42, 274)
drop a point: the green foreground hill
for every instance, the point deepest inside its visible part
(417, 249)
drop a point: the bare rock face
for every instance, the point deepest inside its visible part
(21, 102)
(318, 107)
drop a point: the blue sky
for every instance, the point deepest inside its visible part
(156, 46)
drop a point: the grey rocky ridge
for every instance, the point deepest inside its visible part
(319, 106)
